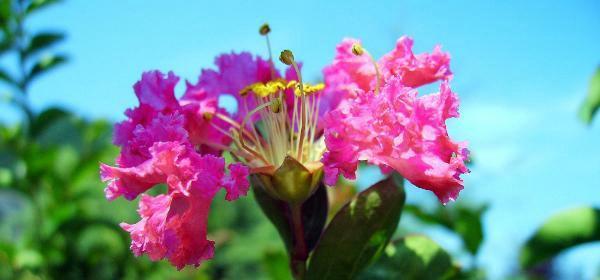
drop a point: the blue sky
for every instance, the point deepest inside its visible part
(521, 69)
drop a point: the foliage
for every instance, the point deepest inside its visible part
(563, 230)
(592, 102)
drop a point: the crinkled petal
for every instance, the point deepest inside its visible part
(234, 72)
(173, 226)
(399, 130)
(415, 70)
(156, 90)
(237, 183)
(347, 76)
(130, 182)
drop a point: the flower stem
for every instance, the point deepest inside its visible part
(299, 252)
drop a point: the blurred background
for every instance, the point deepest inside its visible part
(522, 71)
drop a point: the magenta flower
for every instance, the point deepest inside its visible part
(285, 131)
(384, 122)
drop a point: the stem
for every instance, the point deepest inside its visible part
(299, 252)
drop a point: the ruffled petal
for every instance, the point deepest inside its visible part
(347, 76)
(157, 90)
(237, 183)
(173, 226)
(400, 130)
(234, 72)
(415, 70)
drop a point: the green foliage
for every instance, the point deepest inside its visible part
(592, 102)
(462, 219)
(359, 232)
(563, 230)
(412, 257)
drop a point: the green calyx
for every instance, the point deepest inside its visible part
(292, 182)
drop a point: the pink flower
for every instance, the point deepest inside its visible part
(368, 111)
(398, 129)
(157, 148)
(393, 128)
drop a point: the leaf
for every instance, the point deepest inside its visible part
(462, 219)
(41, 41)
(45, 64)
(561, 231)
(276, 265)
(39, 4)
(314, 214)
(412, 257)
(4, 76)
(592, 102)
(359, 232)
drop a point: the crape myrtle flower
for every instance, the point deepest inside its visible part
(383, 121)
(284, 134)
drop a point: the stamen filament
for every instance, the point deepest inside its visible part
(302, 133)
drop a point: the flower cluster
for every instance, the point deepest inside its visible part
(367, 110)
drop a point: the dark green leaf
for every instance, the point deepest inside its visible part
(592, 102)
(47, 118)
(45, 64)
(314, 214)
(464, 220)
(561, 231)
(41, 41)
(39, 4)
(412, 257)
(359, 232)
(5, 12)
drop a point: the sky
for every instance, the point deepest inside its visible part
(521, 69)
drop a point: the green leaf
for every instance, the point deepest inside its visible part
(561, 231)
(41, 41)
(592, 102)
(45, 64)
(36, 5)
(412, 257)
(314, 214)
(464, 220)
(359, 232)
(276, 265)
(4, 76)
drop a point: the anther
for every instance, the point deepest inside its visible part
(287, 57)
(208, 116)
(264, 29)
(357, 50)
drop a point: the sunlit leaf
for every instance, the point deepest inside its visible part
(464, 220)
(37, 5)
(563, 230)
(44, 65)
(359, 232)
(412, 257)
(41, 41)
(592, 101)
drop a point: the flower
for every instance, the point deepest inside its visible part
(391, 126)
(157, 149)
(285, 133)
